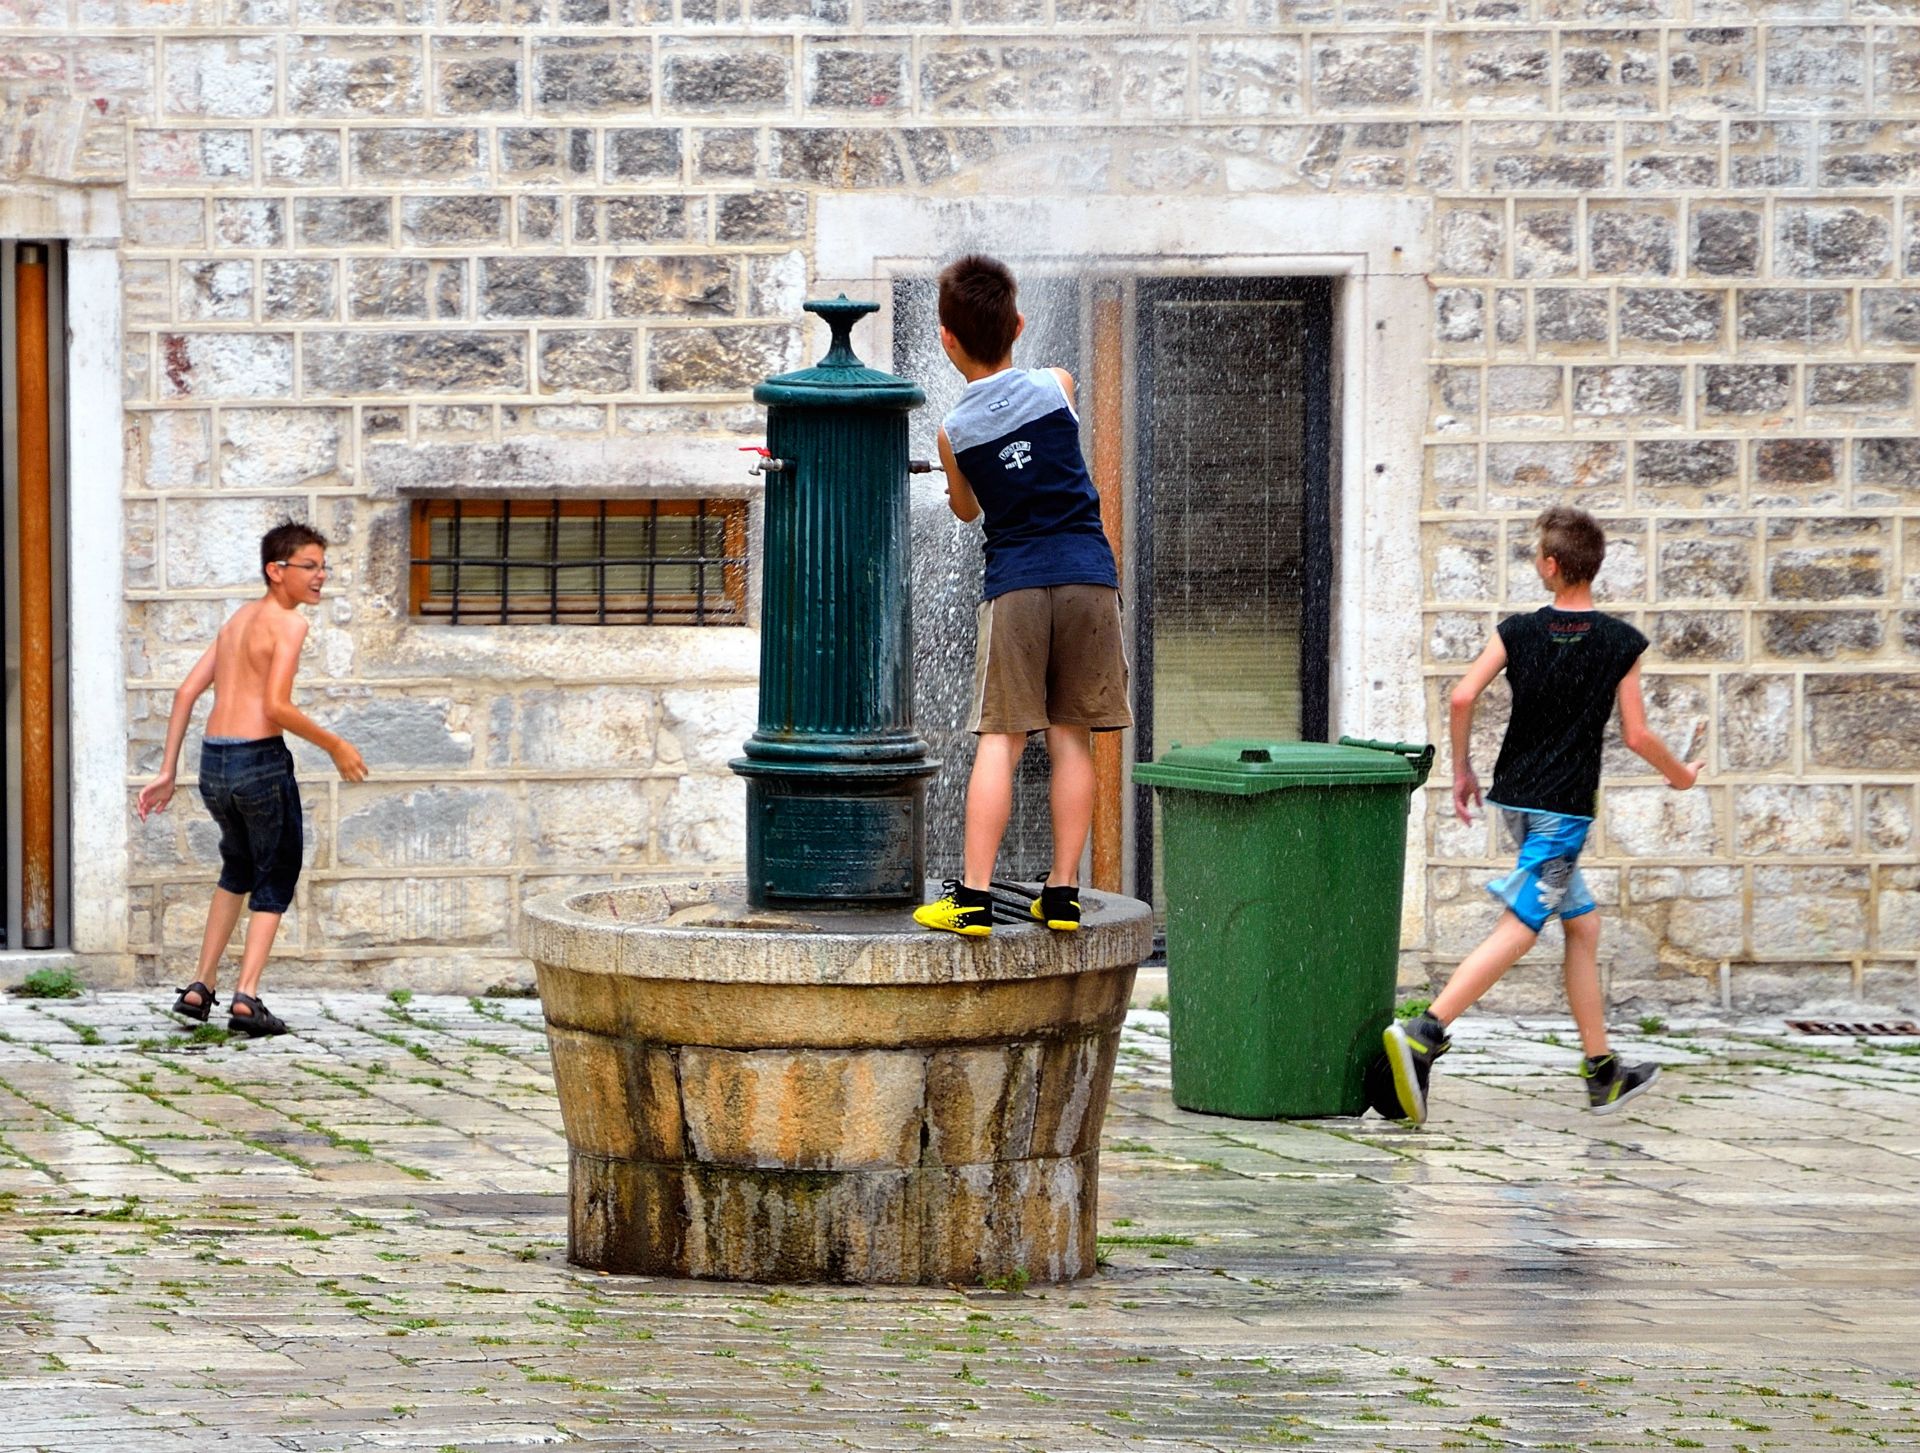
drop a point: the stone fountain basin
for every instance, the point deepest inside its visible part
(829, 1096)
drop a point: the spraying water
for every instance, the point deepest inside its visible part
(1232, 566)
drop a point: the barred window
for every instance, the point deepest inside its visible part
(610, 562)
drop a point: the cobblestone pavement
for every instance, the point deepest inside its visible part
(354, 1239)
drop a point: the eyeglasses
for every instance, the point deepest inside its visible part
(319, 565)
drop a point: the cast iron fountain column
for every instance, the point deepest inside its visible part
(836, 774)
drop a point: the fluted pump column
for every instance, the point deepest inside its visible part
(836, 774)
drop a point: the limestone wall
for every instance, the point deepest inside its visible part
(543, 245)
(1713, 349)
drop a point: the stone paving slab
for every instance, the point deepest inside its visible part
(354, 1239)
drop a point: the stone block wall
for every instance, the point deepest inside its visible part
(1708, 347)
(541, 245)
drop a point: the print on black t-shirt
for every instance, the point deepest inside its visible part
(1563, 667)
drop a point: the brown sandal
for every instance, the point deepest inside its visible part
(256, 1022)
(197, 1013)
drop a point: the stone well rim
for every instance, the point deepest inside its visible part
(887, 948)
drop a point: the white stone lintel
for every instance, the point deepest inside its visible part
(85, 218)
(640, 466)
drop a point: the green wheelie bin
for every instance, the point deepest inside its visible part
(1282, 864)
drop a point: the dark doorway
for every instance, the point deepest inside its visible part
(1233, 555)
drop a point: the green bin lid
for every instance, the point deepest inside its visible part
(1244, 768)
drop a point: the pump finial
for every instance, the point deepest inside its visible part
(841, 314)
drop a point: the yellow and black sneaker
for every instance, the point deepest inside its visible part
(959, 909)
(1411, 1049)
(1610, 1084)
(1058, 907)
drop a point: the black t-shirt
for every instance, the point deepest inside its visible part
(1564, 667)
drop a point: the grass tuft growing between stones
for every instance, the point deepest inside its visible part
(49, 984)
(511, 989)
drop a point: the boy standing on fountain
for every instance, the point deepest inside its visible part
(246, 771)
(1568, 664)
(1049, 655)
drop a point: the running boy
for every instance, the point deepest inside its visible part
(1049, 655)
(1567, 664)
(246, 771)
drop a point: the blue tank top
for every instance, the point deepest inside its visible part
(1017, 441)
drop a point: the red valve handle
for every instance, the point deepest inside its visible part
(756, 449)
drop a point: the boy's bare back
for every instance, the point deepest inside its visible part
(243, 655)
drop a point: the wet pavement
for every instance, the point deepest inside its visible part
(355, 1239)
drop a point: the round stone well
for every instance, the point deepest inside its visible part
(831, 1095)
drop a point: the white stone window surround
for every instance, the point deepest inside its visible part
(87, 220)
(1377, 252)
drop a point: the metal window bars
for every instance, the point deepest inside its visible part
(580, 562)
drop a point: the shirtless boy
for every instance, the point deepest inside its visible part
(246, 771)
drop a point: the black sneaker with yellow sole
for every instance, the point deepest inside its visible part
(1610, 1084)
(1412, 1047)
(1058, 907)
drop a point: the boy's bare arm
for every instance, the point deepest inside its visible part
(1066, 385)
(1487, 665)
(959, 493)
(155, 796)
(287, 637)
(1645, 743)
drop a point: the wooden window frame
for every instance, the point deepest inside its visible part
(726, 607)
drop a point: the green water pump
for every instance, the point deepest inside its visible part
(836, 775)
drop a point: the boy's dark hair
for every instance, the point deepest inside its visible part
(977, 306)
(1574, 540)
(283, 539)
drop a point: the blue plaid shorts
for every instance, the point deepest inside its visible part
(1546, 878)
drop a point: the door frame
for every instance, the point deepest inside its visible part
(88, 221)
(1377, 252)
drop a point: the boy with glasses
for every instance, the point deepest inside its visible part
(246, 771)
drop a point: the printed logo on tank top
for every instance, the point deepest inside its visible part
(1569, 632)
(1017, 441)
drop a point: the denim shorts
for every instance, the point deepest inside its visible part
(249, 789)
(1546, 879)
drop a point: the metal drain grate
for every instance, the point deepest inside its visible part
(1853, 1028)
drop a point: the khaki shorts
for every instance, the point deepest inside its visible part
(1052, 656)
